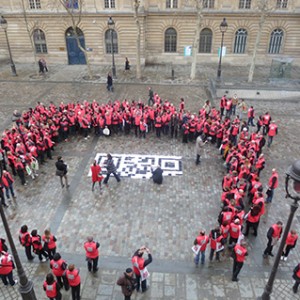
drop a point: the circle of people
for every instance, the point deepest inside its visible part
(25, 146)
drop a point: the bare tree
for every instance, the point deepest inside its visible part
(264, 8)
(30, 34)
(138, 39)
(199, 5)
(76, 16)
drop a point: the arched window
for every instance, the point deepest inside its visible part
(240, 41)
(276, 41)
(205, 41)
(39, 40)
(108, 34)
(170, 40)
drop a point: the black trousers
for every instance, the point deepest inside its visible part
(253, 225)
(237, 266)
(92, 262)
(269, 248)
(76, 292)
(9, 276)
(138, 283)
(28, 252)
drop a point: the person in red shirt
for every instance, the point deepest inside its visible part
(51, 287)
(58, 267)
(273, 130)
(49, 243)
(96, 175)
(201, 240)
(290, 243)
(74, 280)
(92, 254)
(25, 240)
(139, 267)
(37, 246)
(239, 254)
(296, 276)
(272, 185)
(6, 269)
(273, 235)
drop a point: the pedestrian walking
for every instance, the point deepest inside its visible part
(127, 65)
(49, 243)
(37, 246)
(7, 182)
(296, 276)
(157, 174)
(74, 280)
(201, 240)
(273, 235)
(140, 267)
(252, 219)
(272, 185)
(92, 254)
(96, 175)
(239, 254)
(199, 149)
(52, 288)
(6, 269)
(151, 94)
(273, 130)
(109, 82)
(111, 169)
(25, 240)
(61, 171)
(59, 267)
(127, 283)
(290, 243)
(42, 65)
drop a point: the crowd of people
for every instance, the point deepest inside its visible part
(228, 127)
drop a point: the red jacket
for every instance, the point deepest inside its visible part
(73, 277)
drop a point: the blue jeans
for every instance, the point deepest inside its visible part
(270, 195)
(197, 258)
(270, 140)
(11, 189)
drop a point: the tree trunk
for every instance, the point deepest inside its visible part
(199, 7)
(257, 41)
(138, 41)
(30, 37)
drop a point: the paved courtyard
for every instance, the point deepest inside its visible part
(124, 216)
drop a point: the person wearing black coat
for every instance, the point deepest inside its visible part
(111, 169)
(157, 174)
(109, 82)
(61, 171)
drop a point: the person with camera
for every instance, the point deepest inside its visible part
(127, 282)
(139, 267)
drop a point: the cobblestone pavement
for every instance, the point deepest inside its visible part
(124, 216)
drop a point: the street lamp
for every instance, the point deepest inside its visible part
(223, 28)
(26, 287)
(111, 26)
(292, 176)
(3, 24)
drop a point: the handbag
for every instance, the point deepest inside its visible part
(60, 173)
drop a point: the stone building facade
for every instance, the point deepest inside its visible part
(167, 29)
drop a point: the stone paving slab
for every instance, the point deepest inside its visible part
(135, 212)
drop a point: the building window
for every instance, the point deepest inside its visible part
(170, 40)
(35, 4)
(208, 3)
(171, 4)
(108, 41)
(245, 4)
(205, 41)
(73, 4)
(240, 41)
(282, 4)
(109, 4)
(39, 40)
(276, 41)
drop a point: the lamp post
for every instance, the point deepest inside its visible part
(26, 287)
(293, 174)
(111, 26)
(223, 28)
(3, 24)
